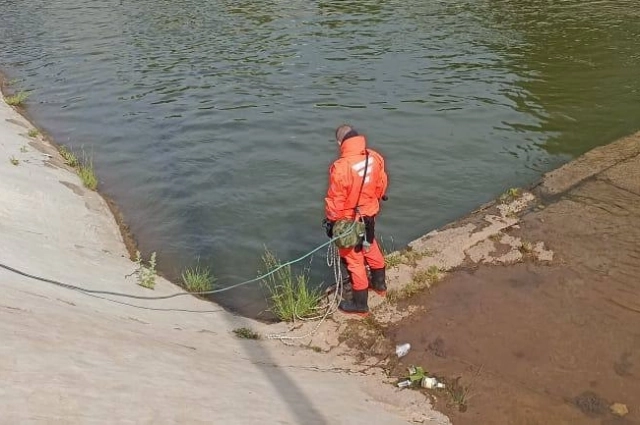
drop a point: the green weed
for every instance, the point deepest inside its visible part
(33, 133)
(510, 195)
(461, 394)
(198, 279)
(87, 174)
(17, 99)
(290, 296)
(13, 160)
(391, 257)
(69, 157)
(393, 260)
(146, 273)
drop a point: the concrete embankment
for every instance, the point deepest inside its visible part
(539, 318)
(72, 358)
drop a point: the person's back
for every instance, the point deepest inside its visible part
(349, 187)
(357, 183)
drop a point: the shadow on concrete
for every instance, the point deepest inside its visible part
(285, 387)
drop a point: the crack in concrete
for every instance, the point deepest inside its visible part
(611, 183)
(580, 199)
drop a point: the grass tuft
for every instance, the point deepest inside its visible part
(412, 256)
(198, 278)
(290, 296)
(13, 160)
(69, 157)
(526, 247)
(510, 195)
(422, 279)
(84, 168)
(146, 273)
(246, 333)
(17, 99)
(87, 174)
(459, 394)
(33, 133)
(393, 260)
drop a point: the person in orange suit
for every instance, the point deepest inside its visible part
(357, 184)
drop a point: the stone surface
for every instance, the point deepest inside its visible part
(551, 339)
(619, 409)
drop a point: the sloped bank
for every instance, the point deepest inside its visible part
(76, 357)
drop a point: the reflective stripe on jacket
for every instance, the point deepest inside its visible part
(345, 178)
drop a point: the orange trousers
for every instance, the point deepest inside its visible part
(358, 259)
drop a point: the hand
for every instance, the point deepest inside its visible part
(328, 227)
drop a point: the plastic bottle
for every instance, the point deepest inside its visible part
(428, 382)
(404, 384)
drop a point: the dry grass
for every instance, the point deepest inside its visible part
(393, 260)
(496, 237)
(246, 333)
(526, 247)
(422, 279)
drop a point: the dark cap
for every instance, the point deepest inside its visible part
(344, 132)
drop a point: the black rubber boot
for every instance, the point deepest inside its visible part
(358, 304)
(378, 281)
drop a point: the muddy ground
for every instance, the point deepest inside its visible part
(543, 342)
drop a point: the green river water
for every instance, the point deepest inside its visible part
(210, 122)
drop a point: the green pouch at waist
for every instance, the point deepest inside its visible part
(348, 233)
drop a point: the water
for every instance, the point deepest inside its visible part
(210, 122)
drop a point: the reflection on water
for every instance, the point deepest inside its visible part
(210, 121)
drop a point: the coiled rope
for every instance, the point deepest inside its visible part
(333, 261)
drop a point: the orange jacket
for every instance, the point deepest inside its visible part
(345, 177)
